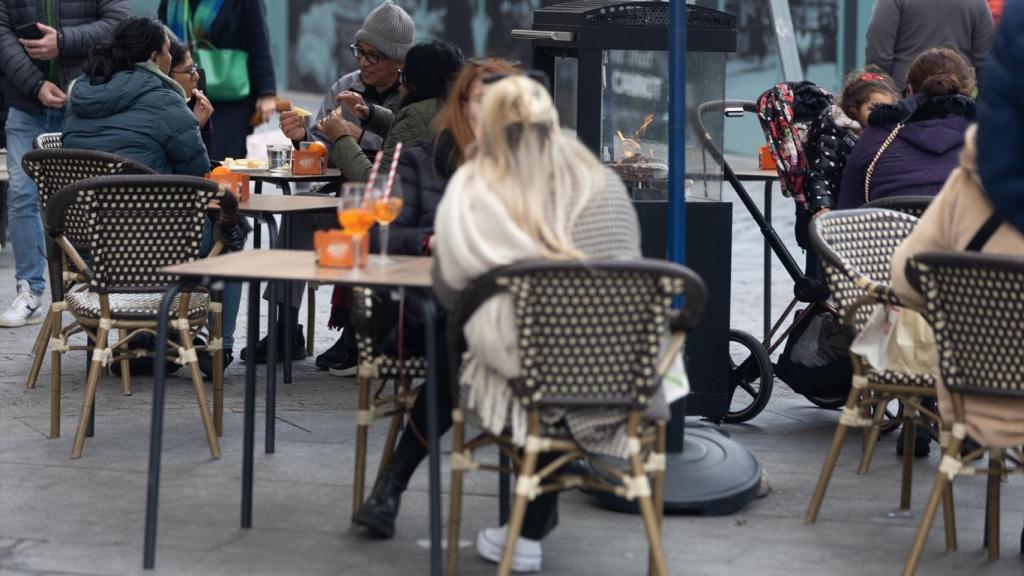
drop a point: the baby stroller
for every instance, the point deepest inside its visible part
(812, 362)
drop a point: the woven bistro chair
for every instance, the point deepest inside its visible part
(911, 205)
(374, 372)
(975, 304)
(134, 226)
(589, 337)
(48, 141)
(856, 249)
(52, 168)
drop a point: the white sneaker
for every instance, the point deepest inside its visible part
(26, 309)
(490, 543)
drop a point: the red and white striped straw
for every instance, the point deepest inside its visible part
(391, 173)
(376, 168)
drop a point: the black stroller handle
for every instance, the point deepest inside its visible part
(726, 107)
(806, 289)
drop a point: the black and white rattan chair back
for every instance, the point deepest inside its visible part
(911, 205)
(589, 332)
(975, 304)
(134, 225)
(54, 168)
(48, 141)
(856, 249)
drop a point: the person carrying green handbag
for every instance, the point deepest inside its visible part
(231, 44)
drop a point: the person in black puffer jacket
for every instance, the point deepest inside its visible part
(833, 135)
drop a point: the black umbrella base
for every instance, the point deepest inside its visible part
(713, 475)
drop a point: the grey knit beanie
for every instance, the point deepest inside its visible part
(389, 29)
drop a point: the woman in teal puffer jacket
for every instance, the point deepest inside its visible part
(127, 105)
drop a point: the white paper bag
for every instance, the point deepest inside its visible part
(899, 340)
(675, 383)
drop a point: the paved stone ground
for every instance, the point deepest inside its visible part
(63, 516)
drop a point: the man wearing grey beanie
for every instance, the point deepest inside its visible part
(379, 49)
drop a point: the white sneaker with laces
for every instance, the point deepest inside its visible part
(490, 543)
(26, 309)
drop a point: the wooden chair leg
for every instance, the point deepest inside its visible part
(39, 350)
(650, 517)
(909, 432)
(185, 339)
(90, 393)
(363, 416)
(310, 318)
(455, 496)
(830, 460)
(55, 357)
(515, 521)
(949, 517)
(871, 439)
(126, 376)
(659, 489)
(942, 483)
(995, 479)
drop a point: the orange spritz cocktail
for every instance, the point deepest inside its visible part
(356, 220)
(386, 210)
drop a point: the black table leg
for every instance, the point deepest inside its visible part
(271, 411)
(504, 489)
(433, 442)
(287, 312)
(156, 429)
(271, 415)
(252, 339)
(286, 188)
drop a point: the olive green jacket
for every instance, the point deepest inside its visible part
(409, 124)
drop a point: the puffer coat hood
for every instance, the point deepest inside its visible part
(140, 114)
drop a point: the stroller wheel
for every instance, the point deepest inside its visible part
(750, 377)
(826, 402)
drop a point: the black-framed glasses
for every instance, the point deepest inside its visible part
(192, 70)
(371, 57)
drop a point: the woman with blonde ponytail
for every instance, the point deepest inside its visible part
(529, 190)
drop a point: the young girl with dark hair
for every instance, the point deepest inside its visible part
(910, 148)
(126, 104)
(833, 135)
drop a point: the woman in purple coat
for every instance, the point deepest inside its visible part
(910, 148)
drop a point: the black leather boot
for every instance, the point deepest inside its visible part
(379, 511)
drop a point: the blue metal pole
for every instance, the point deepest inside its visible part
(677, 133)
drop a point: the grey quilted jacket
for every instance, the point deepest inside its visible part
(80, 24)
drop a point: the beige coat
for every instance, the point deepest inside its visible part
(954, 217)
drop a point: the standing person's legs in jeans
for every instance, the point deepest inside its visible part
(23, 213)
